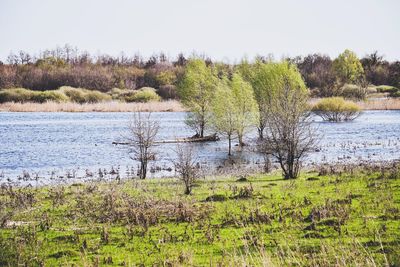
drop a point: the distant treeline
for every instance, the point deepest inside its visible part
(67, 66)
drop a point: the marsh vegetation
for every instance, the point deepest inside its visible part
(330, 216)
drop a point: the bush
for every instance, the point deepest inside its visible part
(75, 94)
(121, 94)
(96, 96)
(386, 89)
(145, 94)
(336, 109)
(116, 93)
(167, 91)
(16, 95)
(56, 96)
(353, 91)
(395, 94)
(80, 95)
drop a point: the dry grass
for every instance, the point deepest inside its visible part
(381, 104)
(113, 106)
(170, 105)
(372, 104)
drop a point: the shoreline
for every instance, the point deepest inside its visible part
(163, 106)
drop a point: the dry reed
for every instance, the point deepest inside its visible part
(112, 106)
(380, 104)
(163, 106)
(372, 104)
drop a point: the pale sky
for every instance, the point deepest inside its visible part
(223, 29)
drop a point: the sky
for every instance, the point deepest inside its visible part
(222, 29)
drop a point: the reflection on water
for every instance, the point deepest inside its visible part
(51, 144)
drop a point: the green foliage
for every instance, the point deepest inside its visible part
(224, 111)
(386, 89)
(166, 78)
(75, 94)
(24, 95)
(246, 108)
(196, 91)
(348, 67)
(267, 80)
(353, 91)
(234, 108)
(336, 109)
(94, 96)
(16, 95)
(80, 95)
(391, 91)
(145, 94)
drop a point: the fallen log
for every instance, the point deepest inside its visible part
(193, 139)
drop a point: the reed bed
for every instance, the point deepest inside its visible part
(163, 106)
(380, 104)
(112, 106)
(372, 104)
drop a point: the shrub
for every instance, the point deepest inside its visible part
(145, 94)
(121, 94)
(395, 94)
(353, 91)
(386, 89)
(116, 93)
(56, 96)
(96, 96)
(75, 94)
(167, 91)
(80, 95)
(336, 109)
(16, 95)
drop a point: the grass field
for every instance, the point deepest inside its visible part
(328, 217)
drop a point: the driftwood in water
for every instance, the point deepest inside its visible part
(193, 139)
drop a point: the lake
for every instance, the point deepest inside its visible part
(46, 148)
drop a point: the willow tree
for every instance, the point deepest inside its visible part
(289, 135)
(196, 90)
(245, 106)
(266, 79)
(234, 109)
(224, 112)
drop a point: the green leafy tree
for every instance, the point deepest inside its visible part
(234, 109)
(290, 136)
(245, 106)
(224, 112)
(267, 78)
(196, 90)
(348, 67)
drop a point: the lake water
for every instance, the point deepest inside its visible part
(61, 145)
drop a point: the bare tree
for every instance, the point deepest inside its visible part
(186, 166)
(142, 134)
(289, 136)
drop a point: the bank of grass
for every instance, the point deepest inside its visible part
(330, 218)
(78, 95)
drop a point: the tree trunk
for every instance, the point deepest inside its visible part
(230, 145)
(143, 170)
(240, 137)
(260, 130)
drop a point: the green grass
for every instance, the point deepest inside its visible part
(335, 219)
(78, 95)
